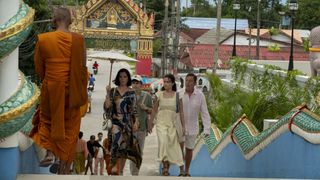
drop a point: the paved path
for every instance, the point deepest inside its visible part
(92, 122)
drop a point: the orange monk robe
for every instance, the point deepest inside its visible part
(59, 124)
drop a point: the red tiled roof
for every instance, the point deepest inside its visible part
(202, 55)
(195, 33)
(186, 37)
(299, 54)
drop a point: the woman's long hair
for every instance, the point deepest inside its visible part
(172, 79)
(117, 79)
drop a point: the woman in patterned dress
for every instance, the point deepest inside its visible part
(122, 100)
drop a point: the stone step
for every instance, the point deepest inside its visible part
(90, 177)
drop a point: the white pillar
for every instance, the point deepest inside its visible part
(9, 77)
(8, 9)
(9, 64)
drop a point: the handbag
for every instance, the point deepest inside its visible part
(107, 115)
(177, 121)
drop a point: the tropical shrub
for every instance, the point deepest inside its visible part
(264, 96)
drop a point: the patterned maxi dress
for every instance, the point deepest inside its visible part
(168, 146)
(122, 141)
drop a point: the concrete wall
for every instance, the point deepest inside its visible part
(244, 40)
(288, 156)
(303, 66)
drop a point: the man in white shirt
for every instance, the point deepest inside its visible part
(194, 102)
(99, 156)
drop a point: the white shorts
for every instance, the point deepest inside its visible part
(190, 141)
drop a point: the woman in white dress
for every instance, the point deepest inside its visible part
(163, 116)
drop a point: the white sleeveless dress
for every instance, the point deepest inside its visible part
(168, 146)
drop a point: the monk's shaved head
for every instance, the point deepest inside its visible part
(62, 15)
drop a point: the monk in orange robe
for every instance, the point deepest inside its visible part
(59, 61)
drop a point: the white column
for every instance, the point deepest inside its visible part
(9, 64)
(9, 77)
(8, 9)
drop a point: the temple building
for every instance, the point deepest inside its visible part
(119, 25)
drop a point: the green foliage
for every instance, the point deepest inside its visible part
(268, 9)
(308, 14)
(157, 46)
(199, 8)
(306, 42)
(273, 31)
(156, 7)
(42, 9)
(258, 94)
(274, 47)
(68, 2)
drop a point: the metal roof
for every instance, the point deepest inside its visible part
(210, 36)
(210, 23)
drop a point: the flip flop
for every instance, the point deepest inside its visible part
(46, 162)
(54, 167)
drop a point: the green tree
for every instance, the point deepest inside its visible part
(269, 10)
(156, 7)
(199, 8)
(308, 14)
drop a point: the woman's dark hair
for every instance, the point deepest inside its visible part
(117, 80)
(172, 79)
(80, 134)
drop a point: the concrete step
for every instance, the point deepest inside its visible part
(90, 177)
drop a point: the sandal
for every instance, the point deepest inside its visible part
(55, 166)
(165, 172)
(48, 160)
(165, 169)
(187, 175)
(181, 175)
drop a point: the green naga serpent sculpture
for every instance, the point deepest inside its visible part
(250, 141)
(16, 112)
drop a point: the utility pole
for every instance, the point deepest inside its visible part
(172, 34)
(172, 39)
(216, 49)
(176, 40)
(145, 6)
(258, 32)
(250, 31)
(164, 39)
(187, 7)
